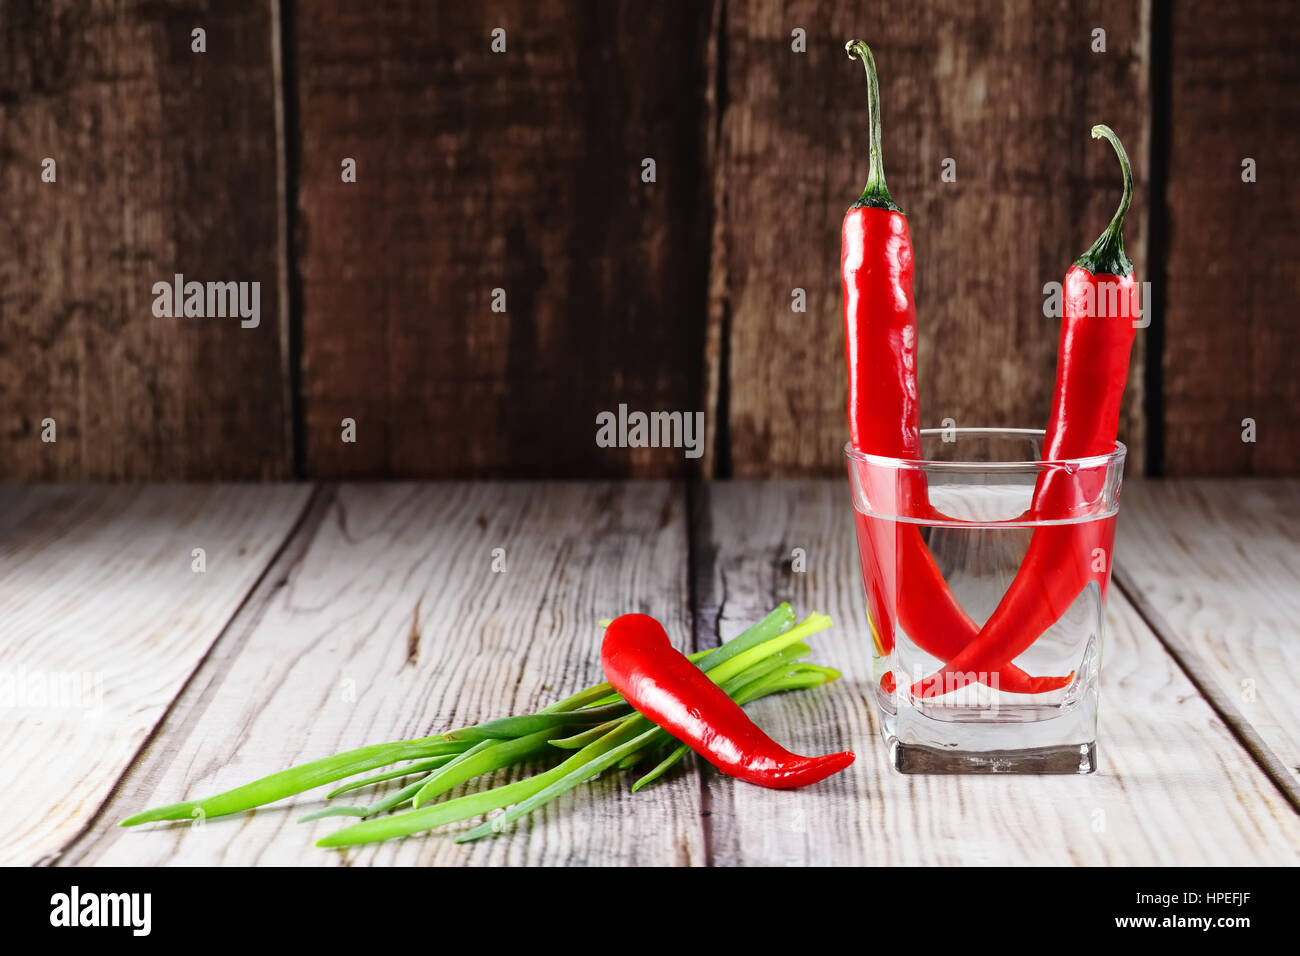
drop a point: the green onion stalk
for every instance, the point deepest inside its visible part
(592, 731)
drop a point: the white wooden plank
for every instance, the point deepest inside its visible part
(99, 598)
(1215, 566)
(1174, 786)
(488, 644)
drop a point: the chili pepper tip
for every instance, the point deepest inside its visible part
(813, 771)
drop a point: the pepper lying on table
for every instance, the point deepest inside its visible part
(663, 685)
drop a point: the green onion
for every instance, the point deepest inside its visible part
(420, 766)
(297, 779)
(597, 727)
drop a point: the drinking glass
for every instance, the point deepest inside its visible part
(981, 530)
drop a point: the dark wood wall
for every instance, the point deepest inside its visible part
(1231, 329)
(522, 171)
(165, 162)
(518, 171)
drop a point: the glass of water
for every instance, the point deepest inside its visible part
(986, 570)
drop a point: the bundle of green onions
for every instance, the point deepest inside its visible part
(596, 727)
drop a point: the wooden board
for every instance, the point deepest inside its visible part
(521, 171)
(1230, 339)
(166, 162)
(391, 593)
(1214, 564)
(1174, 785)
(1009, 92)
(105, 620)
(518, 171)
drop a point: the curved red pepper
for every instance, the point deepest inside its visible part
(663, 685)
(885, 417)
(939, 626)
(1101, 304)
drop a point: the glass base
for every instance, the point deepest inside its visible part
(1074, 758)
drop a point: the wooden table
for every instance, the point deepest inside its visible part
(330, 617)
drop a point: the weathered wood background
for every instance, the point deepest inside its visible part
(521, 171)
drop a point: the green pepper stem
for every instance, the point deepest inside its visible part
(1106, 256)
(877, 193)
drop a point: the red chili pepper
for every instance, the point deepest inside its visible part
(885, 415)
(663, 685)
(879, 309)
(899, 569)
(1092, 362)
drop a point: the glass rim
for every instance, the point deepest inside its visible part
(1072, 464)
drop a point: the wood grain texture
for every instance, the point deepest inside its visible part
(1217, 561)
(380, 563)
(518, 171)
(1230, 334)
(1007, 91)
(1174, 786)
(521, 171)
(104, 621)
(166, 163)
